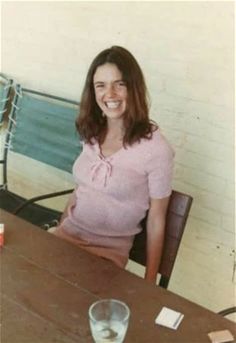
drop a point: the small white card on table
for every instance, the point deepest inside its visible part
(221, 336)
(169, 318)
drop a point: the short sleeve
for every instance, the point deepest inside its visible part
(160, 170)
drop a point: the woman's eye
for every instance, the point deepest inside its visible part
(99, 85)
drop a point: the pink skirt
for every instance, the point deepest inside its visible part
(105, 252)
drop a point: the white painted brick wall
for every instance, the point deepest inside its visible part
(186, 52)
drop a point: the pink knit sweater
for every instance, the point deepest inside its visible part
(114, 193)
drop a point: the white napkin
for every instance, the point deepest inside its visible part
(169, 318)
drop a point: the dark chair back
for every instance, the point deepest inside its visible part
(176, 217)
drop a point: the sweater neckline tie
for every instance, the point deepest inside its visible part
(102, 168)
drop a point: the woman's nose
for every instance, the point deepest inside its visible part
(110, 91)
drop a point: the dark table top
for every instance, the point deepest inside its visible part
(48, 285)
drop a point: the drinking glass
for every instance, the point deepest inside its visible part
(109, 319)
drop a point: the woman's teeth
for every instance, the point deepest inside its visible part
(112, 104)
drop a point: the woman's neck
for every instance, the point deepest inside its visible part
(115, 129)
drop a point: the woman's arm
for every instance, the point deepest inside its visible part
(71, 201)
(155, 236)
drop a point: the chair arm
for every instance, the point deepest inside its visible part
(41, 197)
(227, 311)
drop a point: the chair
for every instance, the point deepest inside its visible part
(41, 128)
(177, 214)
(5, 91)
(227, 311)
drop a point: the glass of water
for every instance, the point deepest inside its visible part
(109, 319)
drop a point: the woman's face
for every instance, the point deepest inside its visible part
(110, 90)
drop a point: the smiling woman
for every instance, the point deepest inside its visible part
(115, 70)
(125, 168)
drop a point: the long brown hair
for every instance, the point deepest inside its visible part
(92, 124)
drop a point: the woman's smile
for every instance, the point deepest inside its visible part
(113, 104)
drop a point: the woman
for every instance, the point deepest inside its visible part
(125, 168)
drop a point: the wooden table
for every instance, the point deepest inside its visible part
(48, 285)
